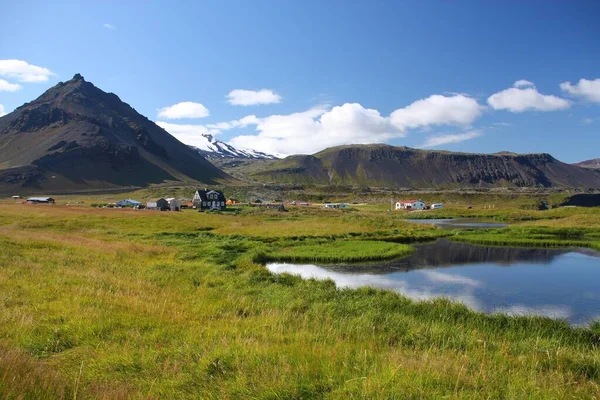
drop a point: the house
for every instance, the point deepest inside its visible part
(174, 204)
(158, 204)
(185, 204)
(336, 205)
(231, 201)
(128, 203)
(40, 200)
(410, 205)
(209, 200)
(437, 206)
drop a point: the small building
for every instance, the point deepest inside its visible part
(16, 197)
(128, 203)
(174, 204)
(436, 206)
(231, 201)
(40, 200)
(158, 204)
(410, 205)
(212, 200)
(185, 204)
(336, 205)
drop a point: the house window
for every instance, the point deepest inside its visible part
(203, 204)
(222, 203)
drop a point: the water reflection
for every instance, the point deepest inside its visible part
(462, 223)
(549, 282)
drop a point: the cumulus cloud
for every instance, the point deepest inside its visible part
(109, 27)
(590, 90)
(23, 71)
(316, 129)
(523, 83)
(9, 87)
(324, 126)
(2, 113)
(241, 97)
(525, 97)
(186, 109)
(439, 140)
(188, 134)
(437, 110)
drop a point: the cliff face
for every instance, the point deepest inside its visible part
(383, 165)
(75, 136)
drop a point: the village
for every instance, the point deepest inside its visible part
(215, 200)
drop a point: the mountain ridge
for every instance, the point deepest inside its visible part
(400, 166)
(214, 148)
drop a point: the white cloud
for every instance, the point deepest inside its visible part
(439, 140)
(2, 113)
(585, 88)
(523, 83)
(186, 109)
(109, 27)
(525, 97)
(188, 134)
(8, 87)
(241, 97)
(587, 121)
(437, 110)
(316, 129)
(24, 72)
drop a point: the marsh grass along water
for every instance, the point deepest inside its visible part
(558, 283)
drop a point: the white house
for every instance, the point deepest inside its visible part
(174, 204)
(336, 205)
(436, 206)
(410, 205)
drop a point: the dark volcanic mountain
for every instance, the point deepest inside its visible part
(75, 136)
(595, 163)
(384, 165)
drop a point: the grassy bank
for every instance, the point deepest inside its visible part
(343, 251)
(98, 303)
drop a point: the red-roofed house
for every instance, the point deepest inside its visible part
(410, 205)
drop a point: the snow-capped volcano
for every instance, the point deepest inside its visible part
(213, 148)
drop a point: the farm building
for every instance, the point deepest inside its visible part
(232, 201)
(209, 200)
(128, 203)
(436, 206)
(40, 200)
(174, 204)
(336, 205)
(158, 204)
(185, 204)
(410, 205)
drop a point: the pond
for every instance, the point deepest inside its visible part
(557, 283)
(459, 223)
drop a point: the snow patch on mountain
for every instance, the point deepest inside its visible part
(213, 148)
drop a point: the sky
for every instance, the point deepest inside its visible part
(288, 77)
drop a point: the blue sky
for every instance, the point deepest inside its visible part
(433, 74)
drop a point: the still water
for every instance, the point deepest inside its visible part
(558, 283)
(459, 223)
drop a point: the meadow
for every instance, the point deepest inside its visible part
(118, 303)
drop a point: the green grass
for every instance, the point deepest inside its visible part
(99, 303)
(341, 251)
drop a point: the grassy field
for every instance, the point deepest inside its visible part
(109, 303)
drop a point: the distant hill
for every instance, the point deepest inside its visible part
(214, 148)
(384, 165)
(76, 136)
(595, 163)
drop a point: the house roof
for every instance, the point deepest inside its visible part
(131, 201)
(407, 201)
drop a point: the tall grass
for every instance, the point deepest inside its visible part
(122, 304)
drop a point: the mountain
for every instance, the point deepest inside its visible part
(76, 136)
(384, 165)
(595, 163)
(213, 148)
